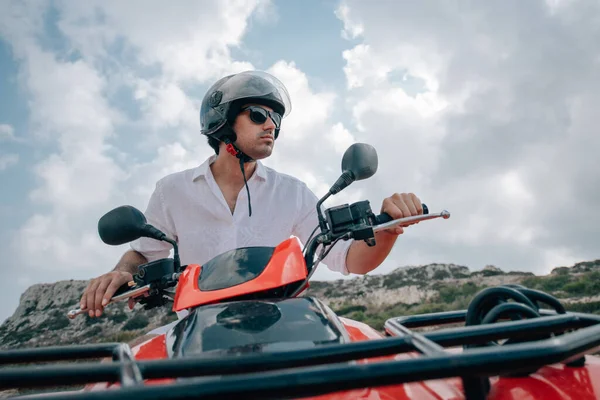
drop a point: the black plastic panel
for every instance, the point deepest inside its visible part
(255, 327)
(234, 267)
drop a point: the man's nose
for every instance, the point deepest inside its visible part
(269, 125)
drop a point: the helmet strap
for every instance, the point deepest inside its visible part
(233, 150)
(246, 184)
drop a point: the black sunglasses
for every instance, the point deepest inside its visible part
(259, 115)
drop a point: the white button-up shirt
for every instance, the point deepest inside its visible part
(189, 207)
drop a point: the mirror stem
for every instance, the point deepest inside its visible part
(152, 232)
(176, 260)
(322, 223)
(343, 181)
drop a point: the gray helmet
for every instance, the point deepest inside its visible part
(224, 99)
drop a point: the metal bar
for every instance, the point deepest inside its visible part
(593, 318)
(190, 367)
(451, 337)
(129, 371)
(57, 353)
(451, 317)
(439, 318)
(334, 378)
(422, 344)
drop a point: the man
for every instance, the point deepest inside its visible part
(204, 208)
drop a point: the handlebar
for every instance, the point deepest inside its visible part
(345, 222)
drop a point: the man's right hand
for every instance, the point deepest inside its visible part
(101, 289)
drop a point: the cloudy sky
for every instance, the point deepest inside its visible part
(481, 108)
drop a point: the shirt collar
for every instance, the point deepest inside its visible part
(204, 169)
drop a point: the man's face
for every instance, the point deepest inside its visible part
(254, 139)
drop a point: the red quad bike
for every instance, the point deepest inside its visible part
(249, 336)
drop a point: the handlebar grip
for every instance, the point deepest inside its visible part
(385, 217)
(122, 289)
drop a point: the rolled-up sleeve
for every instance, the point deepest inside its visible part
(156, 215)
(306, 222)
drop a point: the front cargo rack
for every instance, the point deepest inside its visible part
(556, 336)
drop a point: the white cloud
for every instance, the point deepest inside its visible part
(362, 66)
(313, 108)
(52, 242)
(79, 179)
(501, 133)
(340, 138)
(188, 40)
(352, 29)
(406, 138)
(8, 160)
(372, 63)
(514, 190)
(166, 105)
(7, 132)
(303, 131)
(68, 106)
(556, 5)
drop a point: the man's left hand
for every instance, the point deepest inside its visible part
(401, 205)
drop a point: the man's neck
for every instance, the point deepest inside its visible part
(226, 170)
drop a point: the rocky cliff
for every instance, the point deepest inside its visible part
(40, 318)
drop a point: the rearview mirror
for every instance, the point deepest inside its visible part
(361, 160)
(125, 224)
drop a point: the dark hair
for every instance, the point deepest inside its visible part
(214, 143)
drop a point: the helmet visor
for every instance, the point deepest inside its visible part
(255, 84)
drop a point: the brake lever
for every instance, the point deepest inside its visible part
(406, 221)
(131, 293)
